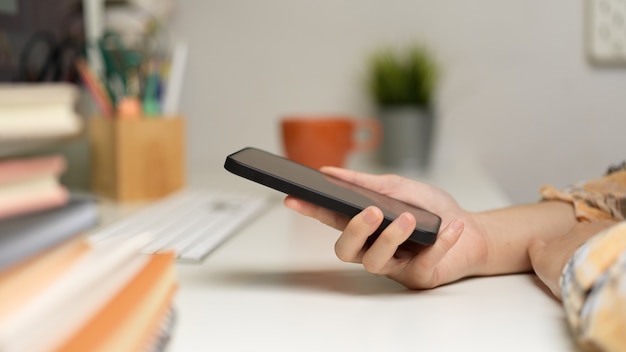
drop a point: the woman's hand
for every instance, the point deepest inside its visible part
(460, 250)
(549, 258)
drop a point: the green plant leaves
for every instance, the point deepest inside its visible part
(402, 79)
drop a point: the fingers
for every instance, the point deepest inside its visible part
(302, 207)
(350, 245)
(445, 241)
(425, 269)
(380, 256)
(401, 188)
(417, 270)
(381, 184)
(325, 216)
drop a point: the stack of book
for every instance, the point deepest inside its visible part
(59, 291)
(32, 115)
(29, 184)
(80, 296)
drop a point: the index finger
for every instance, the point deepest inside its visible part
(323, 215)
(395, 186)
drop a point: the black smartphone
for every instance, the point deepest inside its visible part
(328, 192)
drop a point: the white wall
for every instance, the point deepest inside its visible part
(516, 88)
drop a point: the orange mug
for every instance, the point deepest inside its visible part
(317, 141)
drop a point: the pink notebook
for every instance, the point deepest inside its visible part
(18, 169)
(34, 201)
(31, 184)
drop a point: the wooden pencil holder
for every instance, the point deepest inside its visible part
(140, 159)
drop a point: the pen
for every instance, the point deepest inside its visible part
(151, 104)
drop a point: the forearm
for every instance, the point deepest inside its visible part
(511, 230)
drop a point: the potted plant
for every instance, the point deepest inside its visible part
(402, 85)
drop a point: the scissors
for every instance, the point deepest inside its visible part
(121, 64)
(43, 58)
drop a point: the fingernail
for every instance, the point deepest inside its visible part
(369, 217)
(404, 223)
(456, 225)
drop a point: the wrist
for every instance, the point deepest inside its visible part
(510, 231)
(488, 262)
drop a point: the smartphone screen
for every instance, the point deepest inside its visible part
(329, 192)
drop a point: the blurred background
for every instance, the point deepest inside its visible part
(517, 90)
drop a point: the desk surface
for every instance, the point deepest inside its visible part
(277, 286)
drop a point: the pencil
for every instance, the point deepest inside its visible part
(96, 88)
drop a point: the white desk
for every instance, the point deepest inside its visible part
(277, 286)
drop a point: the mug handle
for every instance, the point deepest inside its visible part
(374, 131)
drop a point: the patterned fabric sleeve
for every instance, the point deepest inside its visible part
(602, 198)
(593, 285)
(593, 282)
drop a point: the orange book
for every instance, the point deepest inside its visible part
(153, 322)
(73, 299)
(127, 321)
(24, 281)
(161, 335)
